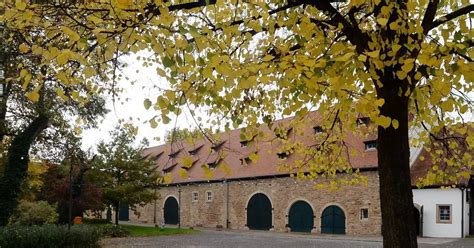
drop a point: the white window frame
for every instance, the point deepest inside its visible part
(195, 196)
(362, 217)
(209, 196)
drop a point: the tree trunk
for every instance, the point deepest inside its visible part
(16, 167)
(396, 197)
(117, 210)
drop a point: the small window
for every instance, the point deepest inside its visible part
(245, 161)
(282, 155)
(217, 146)
(195, 196)
(195, 150)
(174, 154)
(370, 145)
(214, 164)
(209, 196)
(363, 121)
(364, 214)
(318, 129)
(443, 214)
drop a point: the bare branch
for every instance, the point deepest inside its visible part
(449, 17)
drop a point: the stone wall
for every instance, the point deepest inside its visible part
(282, 192)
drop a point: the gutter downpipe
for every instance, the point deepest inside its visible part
(462, 211)
(227, 205)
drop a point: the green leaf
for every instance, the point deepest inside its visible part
(147, 103)
(167, 62)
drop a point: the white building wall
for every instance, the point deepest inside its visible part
(429, 198)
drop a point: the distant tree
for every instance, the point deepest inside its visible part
(178, 134)
(125, 175)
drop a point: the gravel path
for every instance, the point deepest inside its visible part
(256, 239)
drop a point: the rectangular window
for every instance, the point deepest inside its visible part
(195, 196)
(370, 145)
(443, 213)
(209, 196)
(364, 214)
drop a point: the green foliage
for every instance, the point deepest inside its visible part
(34, 213)
(143, 231)
(177, 134)
(113, 231)
(49, 236)
(95, 221)
(125, 176)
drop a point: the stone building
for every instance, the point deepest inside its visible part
(248, 193)
(220, 185)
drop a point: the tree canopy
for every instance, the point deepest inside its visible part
(124, 174)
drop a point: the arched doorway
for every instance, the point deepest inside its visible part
(259, 212)
(170, 211)
(301, 217)
(333, 220)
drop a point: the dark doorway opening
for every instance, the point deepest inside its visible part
(259, 213)
(171, 211)
(333, 220)
(301, 217)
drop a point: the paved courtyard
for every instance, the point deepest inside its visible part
(260, 239)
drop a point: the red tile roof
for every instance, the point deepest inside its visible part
(231, 152)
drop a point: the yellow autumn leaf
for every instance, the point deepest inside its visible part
(382, 21)
(124, 3)
(383, 121)
(20, 4)
(62, 58)
(182, 173)
(23, 48)
(395, 123)
(33, 96)
(374, 54)
(168, 178)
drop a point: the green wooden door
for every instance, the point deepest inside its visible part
(300, 217)
(123, 212)
(170, 211)
(333, 220)
(259, 213)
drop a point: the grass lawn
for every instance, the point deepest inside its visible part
(143, 231)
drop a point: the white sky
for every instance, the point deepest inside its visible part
(129, 107)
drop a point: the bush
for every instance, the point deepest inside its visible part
(96, 221)
(34, 213)
(114, 231)
(49, 236)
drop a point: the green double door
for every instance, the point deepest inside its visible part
(301, 217)
(333, 220)
(259, 213)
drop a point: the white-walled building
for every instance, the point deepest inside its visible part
(442, 210)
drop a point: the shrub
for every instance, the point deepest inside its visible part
(95, 221)
(49, 236)
(114, 231)
(34, 213)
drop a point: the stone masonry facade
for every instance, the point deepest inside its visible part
(230, 199)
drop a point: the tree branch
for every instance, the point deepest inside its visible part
(462, 11)
(430, 14)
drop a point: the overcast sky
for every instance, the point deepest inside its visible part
(129, 106)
